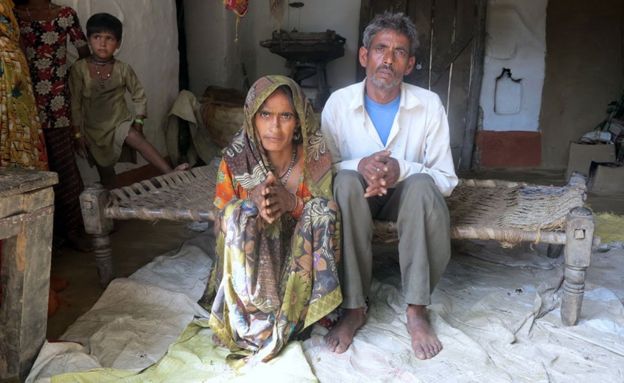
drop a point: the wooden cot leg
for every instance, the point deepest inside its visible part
(579, 238)
(93, 202)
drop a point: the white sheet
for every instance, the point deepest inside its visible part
(498, 323)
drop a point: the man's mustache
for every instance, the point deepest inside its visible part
(385, 67)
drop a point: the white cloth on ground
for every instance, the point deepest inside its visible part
(498, 323)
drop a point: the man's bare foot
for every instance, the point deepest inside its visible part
(425, 343)
(339, 338)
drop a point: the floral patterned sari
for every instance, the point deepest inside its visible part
(273, 280)
(21, 137)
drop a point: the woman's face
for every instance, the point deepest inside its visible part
(276, 122)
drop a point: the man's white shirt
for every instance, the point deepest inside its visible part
(419, 137)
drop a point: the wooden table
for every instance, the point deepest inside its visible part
(26, 211)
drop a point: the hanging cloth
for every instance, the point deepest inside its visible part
(237, 6)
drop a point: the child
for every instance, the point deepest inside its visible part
(101, 119)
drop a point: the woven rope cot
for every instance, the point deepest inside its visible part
(508, 212)
(178, 196)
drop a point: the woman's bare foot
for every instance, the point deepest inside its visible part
(340, 337)
(425, 343)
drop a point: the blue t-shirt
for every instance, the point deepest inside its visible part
(382, 115)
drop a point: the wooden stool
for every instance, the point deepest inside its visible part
(26, 211)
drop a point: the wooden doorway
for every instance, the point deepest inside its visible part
(449, 60)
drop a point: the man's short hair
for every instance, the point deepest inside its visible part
(104, 22)
(395, 21)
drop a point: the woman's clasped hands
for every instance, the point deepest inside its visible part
(272, 199)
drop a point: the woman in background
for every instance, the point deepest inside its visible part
(21, 139)
(45, 31)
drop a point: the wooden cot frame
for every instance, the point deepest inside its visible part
(100, 207)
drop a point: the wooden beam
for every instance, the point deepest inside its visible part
(472, 114)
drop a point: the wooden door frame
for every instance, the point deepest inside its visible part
(474, 95)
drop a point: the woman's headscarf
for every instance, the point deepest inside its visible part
(247, 159)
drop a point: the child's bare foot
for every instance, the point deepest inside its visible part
(340, 337)
(181, 167)
(425, 343)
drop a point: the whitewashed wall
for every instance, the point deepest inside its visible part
(215, 58)
(516, 39)
(150, 46)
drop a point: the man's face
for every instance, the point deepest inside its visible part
(387, 60)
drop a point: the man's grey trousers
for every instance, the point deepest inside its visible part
(423, 225)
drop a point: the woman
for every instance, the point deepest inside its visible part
(45, 31)
(277, 238)
(21, 139)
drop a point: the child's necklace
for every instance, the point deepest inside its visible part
(102, 77)
(99, 62)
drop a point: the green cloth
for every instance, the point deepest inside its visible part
(609, 227)
(195, 358)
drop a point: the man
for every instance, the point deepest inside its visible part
(390, 144)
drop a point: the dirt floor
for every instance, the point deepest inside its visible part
(129, 254)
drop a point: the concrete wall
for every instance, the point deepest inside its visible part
(584, 71)
(150, 46)
(215, 56)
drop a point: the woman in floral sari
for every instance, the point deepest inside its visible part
(277, 236)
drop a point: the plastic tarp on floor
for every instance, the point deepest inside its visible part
(496, 312)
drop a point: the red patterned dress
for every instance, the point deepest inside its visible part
(46, 51)
(45, 42)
